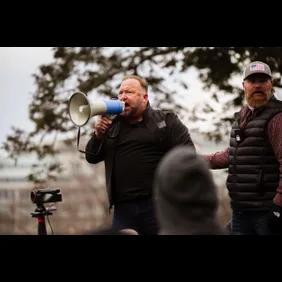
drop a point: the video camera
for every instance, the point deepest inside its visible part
(47, 195)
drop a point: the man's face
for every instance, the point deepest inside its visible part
(257, 88)
(134, 96)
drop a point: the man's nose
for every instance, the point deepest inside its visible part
(257, 82)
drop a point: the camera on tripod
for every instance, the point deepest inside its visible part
(40, 197)
(47, 195)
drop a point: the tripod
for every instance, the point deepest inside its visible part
(40, 213)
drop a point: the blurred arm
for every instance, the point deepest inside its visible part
(218, 160)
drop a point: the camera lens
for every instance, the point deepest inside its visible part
(33, 196)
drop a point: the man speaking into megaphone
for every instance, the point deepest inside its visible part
(131, 147)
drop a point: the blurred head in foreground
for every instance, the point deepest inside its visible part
(113, 231)
(186, 195)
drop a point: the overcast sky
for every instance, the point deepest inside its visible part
(16, 85)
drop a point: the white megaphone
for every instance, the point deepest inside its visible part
(81, 108)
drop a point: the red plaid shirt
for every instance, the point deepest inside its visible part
(220, 160)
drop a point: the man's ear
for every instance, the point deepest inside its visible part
(146, 97)
(243, 84)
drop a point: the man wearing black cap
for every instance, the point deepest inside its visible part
(254, 157)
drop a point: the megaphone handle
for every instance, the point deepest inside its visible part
(115, 134)
(77, 144)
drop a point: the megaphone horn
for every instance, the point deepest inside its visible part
(81, 108)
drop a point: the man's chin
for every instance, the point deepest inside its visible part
(256, 103)
(125, 113)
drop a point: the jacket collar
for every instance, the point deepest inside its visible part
(148, 112)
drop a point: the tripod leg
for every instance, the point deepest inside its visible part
(41, 225)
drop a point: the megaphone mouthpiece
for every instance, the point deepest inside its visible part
(112, 107)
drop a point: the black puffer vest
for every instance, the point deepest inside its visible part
(253, 171)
